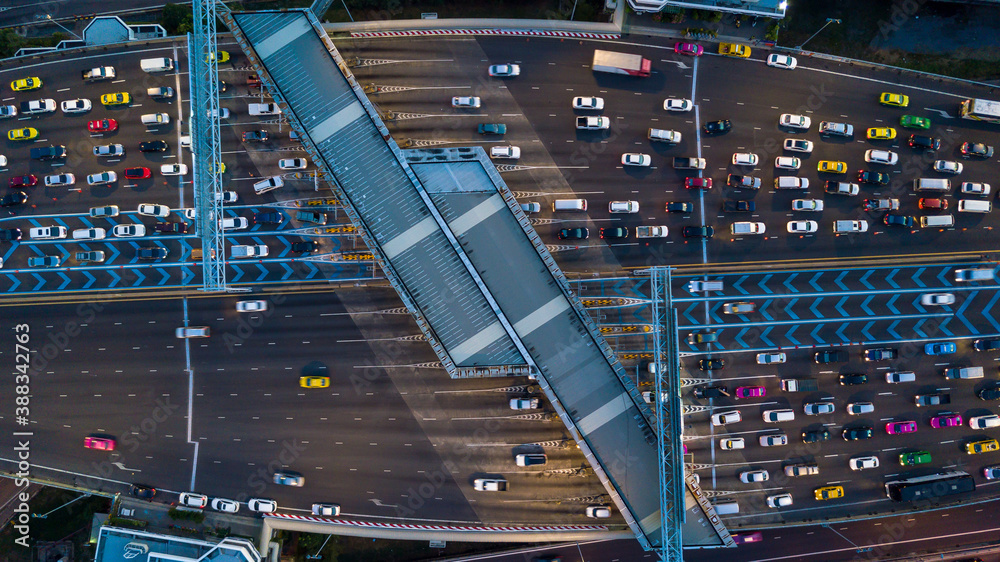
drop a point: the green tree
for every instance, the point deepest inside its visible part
(177, 19)
(10, 42)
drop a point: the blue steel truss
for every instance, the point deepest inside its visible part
(668, 420)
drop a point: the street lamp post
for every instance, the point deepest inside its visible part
(828, 22)
(49, 17)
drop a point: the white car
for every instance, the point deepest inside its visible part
(76, 106)
(89, 234)
(108, 150)
(505, 152)
(745, 159)
(251, 306)
(293, 164)
(732, 443)
(771, 358)
(589, 102)
(794, 121)
(623, 207)
(787, 163)
(106, 211)
(881, 157)
(798, 145)
(937, 299)
(327, 509)
(234, 223)
(174, 169)
(3, 161)
(598, 511)
(151, 210)
(227, 197)
(862, 463)
(466, 101)
(991, 472)
(859, 408)
(102, 178)
(975, 188)
(948, 167)
(802, 227)
(754, 476)
(261, 505)
(7, 111)
(779, 500)
(818, 408)
(60, 180)
(807, 204)
(228, 506)
(636, 159)
(190, 499)
(504, 70)
(221, 113)
(128, 230)
(722, 418)
(984, 422)
(677, 104)
(781, 61)
(773, 440)
(531, 207)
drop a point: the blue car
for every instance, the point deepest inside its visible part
(941, 348)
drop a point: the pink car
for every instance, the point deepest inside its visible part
(750, 392)
(895, 428)
(689, 49)
(99, 443)
(946, 420)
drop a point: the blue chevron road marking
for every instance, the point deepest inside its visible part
(892, 330)
(41, 281)
(943, 278)
(762, 282)
(263, 272)
(864, 305)
(115, 278)
(788, 309)
(739, 337)
(763, 309)
(866, 333)
(916, 277)
(288, 271)
(114, 253)
(788, 336)
(712, 311)
(888, 278)
(239, 273)
(815, 333)
(840, 332)
(841, 310)
(687, 313)
(917, 326)
(17, 283)
(788, 283)
(839, 279)
(917, 305)
(62, 222)
(86, 222)
(989, 307)
(166, 277)
(66, 281)
(943, 326)
(864, 279)
(814, 310)
(813, 282)
(188, 276)
(763, 336)
(141, 277)
(890, 306)
(738, 285)
(960, 313)
(313, 270)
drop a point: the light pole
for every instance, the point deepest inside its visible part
(828, 22)
(49, 17)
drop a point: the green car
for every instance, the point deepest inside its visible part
(492, 128)
(918, 457)
(914, 122)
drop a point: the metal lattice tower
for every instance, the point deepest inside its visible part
(207, 153)
(668, 416)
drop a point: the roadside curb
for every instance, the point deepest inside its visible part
(500, 32)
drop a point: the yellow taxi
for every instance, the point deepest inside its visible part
(984, 446)
(881, 133)
(895, 100)
(22, 84)
(118, 98)
(222, 167)
(223, 56)
(832, 167)
(314, 382)
(829, 492)
(26, 133)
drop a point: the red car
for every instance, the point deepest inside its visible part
(895, 428)
(698, 183)
(689, 49)
(30, 180)
(946, 420)
(933, 203)
(750, 392)
(102, 126)
(99, 443)
(137, 173)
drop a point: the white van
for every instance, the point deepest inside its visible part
(89, 234)
(263, 109)
(774, 416)
(47, 232)
(727, 508)
(931, 184)
(900, 376)
(791, 182)
(569, 205)
(268, 184)
(245, 251)
(154, 119)
(157, 65)
(701, 286)
(850, 226)
(973, 206)
(937, 221)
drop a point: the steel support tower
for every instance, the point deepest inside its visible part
(205, 147)
(669, 424)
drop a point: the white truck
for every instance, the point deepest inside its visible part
(620, 63)
(489, 485)
(99, 73)
(247, 251)
(650, 232)
(592, 123)
(746, 227)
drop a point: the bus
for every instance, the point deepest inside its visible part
(980, 110)
(930, 486)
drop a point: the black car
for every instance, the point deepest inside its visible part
(10, 234)
(142, 491)
(711, 364)
(153, 146)
(305, 246)
(48, 152)
(151, 253)
(255, 136)
(267, 217)
(851, 380)
(680, 207)
(717, 127)
(815, 435)
(171, 227)
(614, 233)
(698, 232)
(978, 345)
(13, 198)
(739, 206)
(880, 354)
(898, 220)
(989, 393)
(873, 178)
(856, 433)
(830, 356)
(977, 149)
(715, 391)
(924, 142)
(573, 234)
